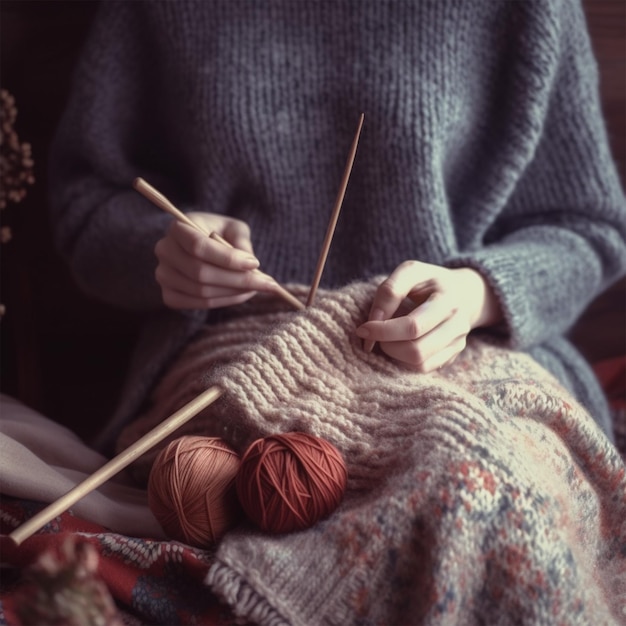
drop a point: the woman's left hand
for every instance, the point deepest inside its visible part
(445, 305)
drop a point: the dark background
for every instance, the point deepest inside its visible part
(64, 354)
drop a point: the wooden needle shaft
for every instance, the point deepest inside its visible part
(158, 199)
(330, 231)
(115, 465)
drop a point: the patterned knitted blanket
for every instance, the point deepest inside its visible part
(482, 493)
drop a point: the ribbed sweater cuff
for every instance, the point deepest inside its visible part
(502, 269)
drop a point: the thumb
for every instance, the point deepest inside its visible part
(237, 233)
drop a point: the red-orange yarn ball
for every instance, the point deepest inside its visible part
(191, 489)
(290, 481)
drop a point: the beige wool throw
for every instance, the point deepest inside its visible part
(482, 493)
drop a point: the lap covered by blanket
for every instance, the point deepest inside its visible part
(480, 493)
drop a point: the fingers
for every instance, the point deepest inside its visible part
(209, 251)
(403, 282)
(238, 234)
(433, 350)
(388, 299)
(427, 338)
(190, 273)
(235, 231)
(211, 282)
(195, 271)
(432, 333)
(412, 326)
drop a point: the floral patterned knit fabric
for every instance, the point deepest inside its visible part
(482, 493)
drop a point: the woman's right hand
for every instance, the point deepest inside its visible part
(197, 272)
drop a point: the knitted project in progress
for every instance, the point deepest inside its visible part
(483, 147)
(482, 493)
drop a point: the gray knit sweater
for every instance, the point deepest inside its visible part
(483, 145)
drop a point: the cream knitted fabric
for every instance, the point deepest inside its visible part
(482, 493)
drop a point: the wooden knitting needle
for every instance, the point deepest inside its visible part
(158, 199)
(115, 465)
(330, 231)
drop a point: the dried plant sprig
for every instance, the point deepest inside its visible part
(63, 587)
(16, 162)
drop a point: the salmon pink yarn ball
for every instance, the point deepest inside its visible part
(288, 482)
(191, 489)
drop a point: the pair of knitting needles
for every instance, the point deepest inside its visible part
(158, 199)
(200, 402)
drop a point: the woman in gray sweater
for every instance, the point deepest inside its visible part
(483, 184)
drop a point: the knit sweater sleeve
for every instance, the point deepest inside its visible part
(112, 131)
(561, 238)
